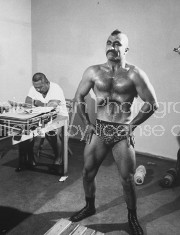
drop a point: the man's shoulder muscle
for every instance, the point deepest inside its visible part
(90, 74)
(137, 75)
(91, 70)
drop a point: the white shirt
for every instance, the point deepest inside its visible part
(55, 92)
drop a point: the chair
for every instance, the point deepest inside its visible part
(70, 107)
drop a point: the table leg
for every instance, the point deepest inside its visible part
(65, 140)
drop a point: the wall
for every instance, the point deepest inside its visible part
(68, 36)
(15, 49)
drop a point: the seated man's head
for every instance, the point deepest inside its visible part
(40, 83)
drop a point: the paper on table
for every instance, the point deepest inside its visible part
(21, 114)
(39, 110)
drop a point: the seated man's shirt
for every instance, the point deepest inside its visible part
(55, 93)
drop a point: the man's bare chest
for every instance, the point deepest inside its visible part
(119, 83)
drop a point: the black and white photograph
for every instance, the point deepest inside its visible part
(89, 117)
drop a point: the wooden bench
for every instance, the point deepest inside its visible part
(66, 227)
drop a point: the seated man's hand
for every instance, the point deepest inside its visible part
(38, 103)
(53, 103)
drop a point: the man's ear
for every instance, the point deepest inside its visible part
(127, 49)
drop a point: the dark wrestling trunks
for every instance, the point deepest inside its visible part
(111, 132)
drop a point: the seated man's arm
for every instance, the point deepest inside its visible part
(33, 102)
(58, 101)
(53, 103)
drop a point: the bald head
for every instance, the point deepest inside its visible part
(39, 77)
(117, 46)
(122, 35)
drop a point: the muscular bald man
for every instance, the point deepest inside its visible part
(115, 83)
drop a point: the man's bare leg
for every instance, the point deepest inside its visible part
(94, 154)
(59, 148)
(55, 140)
(125, 159)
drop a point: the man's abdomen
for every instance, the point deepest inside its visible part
(114, 113)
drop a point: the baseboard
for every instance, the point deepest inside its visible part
(154, 156)
(149, 155)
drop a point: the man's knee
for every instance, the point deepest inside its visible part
(127, 180)
(88, 176)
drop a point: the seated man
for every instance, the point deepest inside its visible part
(44, 93)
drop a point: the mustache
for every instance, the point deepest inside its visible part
(113, 51)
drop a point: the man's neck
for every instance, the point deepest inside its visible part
(115, 65)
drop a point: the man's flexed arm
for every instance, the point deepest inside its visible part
(146, 92)
(83, 89)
